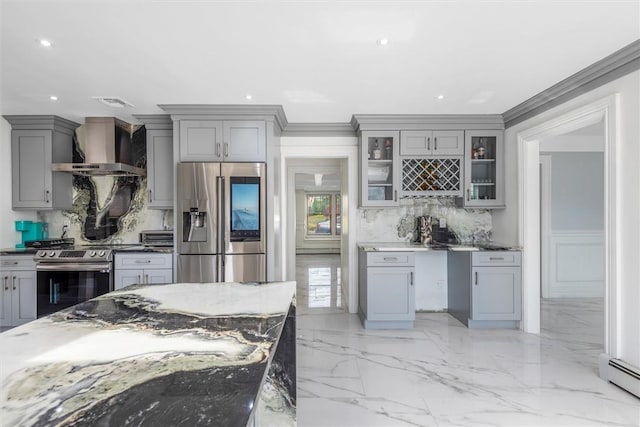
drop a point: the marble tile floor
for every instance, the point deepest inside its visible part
(443, 374)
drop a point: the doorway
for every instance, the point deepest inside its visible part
(529, 207)
(297, 154)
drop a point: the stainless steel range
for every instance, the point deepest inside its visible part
(69, 276)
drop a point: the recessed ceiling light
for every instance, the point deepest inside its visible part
(45, 43)
(248, 97)
(53, 98)
(440, 96)
(382, 42)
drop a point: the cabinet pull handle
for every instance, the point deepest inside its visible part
(218, 149)
(428, 143)
(146, 278)
(226, 149)
(390, 259)
(46, 196)
(143, 261)
(412, 278)
(150, 198)
(395, 196)
(468, 194)
(476, 279)
(435, 143)
(14, 283)
(6, 287)
(496, 258)
(139, 279)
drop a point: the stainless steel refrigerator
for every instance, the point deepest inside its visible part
(221, 222)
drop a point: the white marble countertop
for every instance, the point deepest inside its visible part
(416, 247)
(146, 355)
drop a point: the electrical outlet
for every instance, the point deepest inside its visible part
(443, 223)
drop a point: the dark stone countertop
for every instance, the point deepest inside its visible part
(417, 247)
(177, 354)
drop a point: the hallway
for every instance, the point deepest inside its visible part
(443, 374)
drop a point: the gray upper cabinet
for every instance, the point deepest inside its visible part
(431, 143)
(484, 169)
(222, 141)
(36, 143)
(379, 168)
(160, 168)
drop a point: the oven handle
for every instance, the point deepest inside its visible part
(77, 266)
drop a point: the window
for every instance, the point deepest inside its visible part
(323, 214)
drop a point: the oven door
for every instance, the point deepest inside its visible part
(61, 285)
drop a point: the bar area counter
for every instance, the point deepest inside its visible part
(176, 354)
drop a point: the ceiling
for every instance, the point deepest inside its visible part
(320, 60)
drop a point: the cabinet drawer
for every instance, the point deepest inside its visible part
(139, 261)
(395, 259)
(495, 258)
(22, 262)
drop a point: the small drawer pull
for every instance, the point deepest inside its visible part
(496, 258)
(143, 261)
(390, 259)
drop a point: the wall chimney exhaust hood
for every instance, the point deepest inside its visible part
(106, 144)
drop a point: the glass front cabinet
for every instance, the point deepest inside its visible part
(484, 169)
(379, 160)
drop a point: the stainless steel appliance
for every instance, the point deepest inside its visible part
(66, 277)
(221, 222)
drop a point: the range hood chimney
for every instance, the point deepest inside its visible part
(106, 142)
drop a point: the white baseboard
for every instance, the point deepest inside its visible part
(620, 373)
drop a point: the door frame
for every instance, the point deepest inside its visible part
(346, 149)
(546, 166)
(528, 146)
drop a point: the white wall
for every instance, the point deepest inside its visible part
(505, 222)
(8, 236)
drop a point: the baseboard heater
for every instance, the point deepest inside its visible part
(624, 376)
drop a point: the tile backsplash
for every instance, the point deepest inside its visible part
(398, 224)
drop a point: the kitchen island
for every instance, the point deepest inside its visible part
(175, 354)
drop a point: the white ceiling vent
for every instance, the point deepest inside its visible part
(113, 101)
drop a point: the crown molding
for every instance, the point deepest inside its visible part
(612, 67)
(155, 121)
(228, 112)
(319, 129)
(42, 122)
(365, 122)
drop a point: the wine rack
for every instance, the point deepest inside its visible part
(431, 177)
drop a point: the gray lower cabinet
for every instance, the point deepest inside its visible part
(19, 288)
(36, 143)
(386, 289)
(485, 288)
(222, 141)
(142, 268)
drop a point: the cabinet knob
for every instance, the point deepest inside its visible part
(46, 196)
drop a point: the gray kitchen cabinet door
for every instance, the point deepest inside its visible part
(244, 141)
(160, 168)
(24, 294)
(31, 168)
(158, 276)
(5, 299)
(390, 293)
(484, 169)
(123, 278)
(448, 143)
(432, 143)
(496, 293)
(201, 140)
(379, 168)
